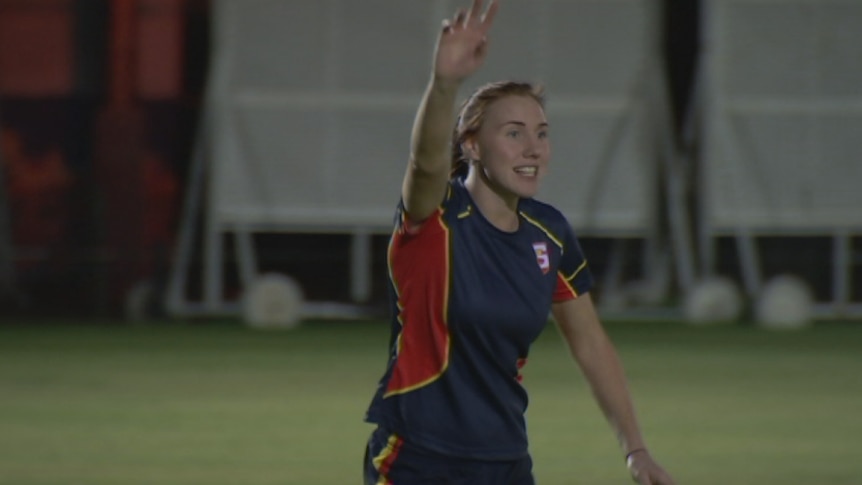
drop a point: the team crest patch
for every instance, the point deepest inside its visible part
(541, 250)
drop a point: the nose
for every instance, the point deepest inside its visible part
(533, 148)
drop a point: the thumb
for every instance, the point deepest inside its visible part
(642, 477)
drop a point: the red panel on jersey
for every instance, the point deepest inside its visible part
(419, 269)
(387, 457)
(564, 290)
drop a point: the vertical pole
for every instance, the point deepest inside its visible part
(245, 255)
(360, 266)
(222, 136)
(119, 156)
(841, 263)
(749, 261)
(175, 293)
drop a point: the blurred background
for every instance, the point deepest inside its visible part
(175, 172)
(98, 109)
(159, 156)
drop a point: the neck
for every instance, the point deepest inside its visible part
(499, 208)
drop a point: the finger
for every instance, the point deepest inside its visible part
(488, 18)
(476, 11)
(460, 18)
(447, 26)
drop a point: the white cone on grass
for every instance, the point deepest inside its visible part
(785, 303)
(713, 300)
(272, 301)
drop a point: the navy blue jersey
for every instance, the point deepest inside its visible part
(468, 300)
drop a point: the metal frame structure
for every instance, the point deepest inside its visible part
(725, 140)
(221, 131)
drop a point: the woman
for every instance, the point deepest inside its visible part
(476, 265)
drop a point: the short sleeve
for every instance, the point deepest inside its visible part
(451, 201)
(573, 275)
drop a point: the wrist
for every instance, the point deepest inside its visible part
(630, 454)
(444, 85)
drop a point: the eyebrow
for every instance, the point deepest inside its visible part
(543, 124)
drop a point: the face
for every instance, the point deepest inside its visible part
(512, 146)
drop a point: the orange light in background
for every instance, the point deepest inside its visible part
(160, 38)
(36, 48)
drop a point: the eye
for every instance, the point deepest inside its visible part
(543, 134)
(513, 133)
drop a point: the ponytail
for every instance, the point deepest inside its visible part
(460, 166)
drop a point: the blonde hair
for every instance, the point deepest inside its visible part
(472, 114)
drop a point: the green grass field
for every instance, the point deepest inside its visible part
(217, 403)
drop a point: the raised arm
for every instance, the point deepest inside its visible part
(460, 51)
(595, 354)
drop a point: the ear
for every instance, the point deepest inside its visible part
(471, 149)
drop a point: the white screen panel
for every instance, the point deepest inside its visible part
(597, 48)
(383, 45)
(378, 141)
(595, 192)
(274, 44)
(316, 100)
(785, 115)
(307, 164)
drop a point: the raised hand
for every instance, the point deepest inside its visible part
(463, 42)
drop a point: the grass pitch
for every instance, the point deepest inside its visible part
(217, 403)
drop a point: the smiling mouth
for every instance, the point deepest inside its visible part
(530, 171)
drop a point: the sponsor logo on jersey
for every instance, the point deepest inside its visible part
(541, 250)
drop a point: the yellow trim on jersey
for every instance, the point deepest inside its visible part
(419, 385)
(377, 461)
(578, 270)
(389, 250)
(568, 284)
(395, 285)
(544, 229)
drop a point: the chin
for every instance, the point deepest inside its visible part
(526, 192)
(526, 189)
